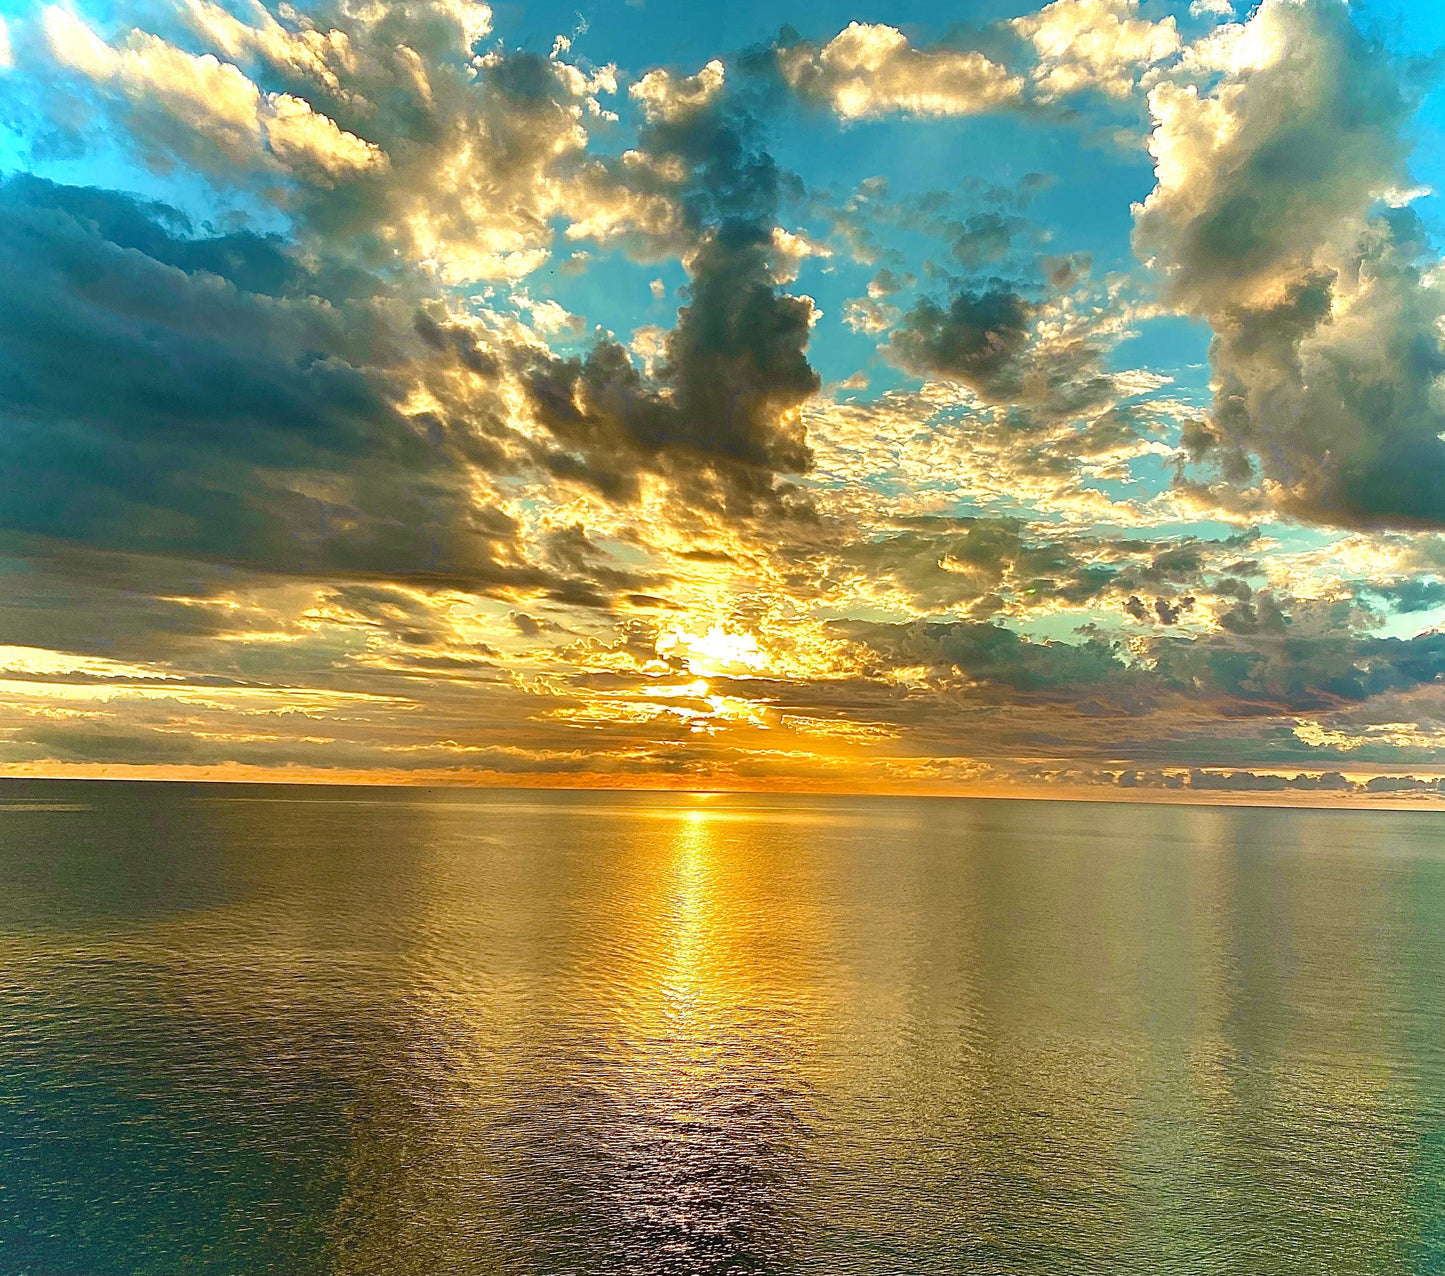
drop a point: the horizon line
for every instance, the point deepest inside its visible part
(1396, 801)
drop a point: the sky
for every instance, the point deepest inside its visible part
(910, 397)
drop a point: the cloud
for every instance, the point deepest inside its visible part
(868, 70)
(734, 373)
(863, 314)
(940, 448)
(983, 237)
(1410, 594)
(977, 340)
(1094, 44)
(1164, 611)
(995, 657)
(985, 564)
(206, 111)
(1267, 221)
(377, 128)
(194, 397)
(988, 340)
(1009, 569)
(1248, 781)
(719, 415)
(668, 97)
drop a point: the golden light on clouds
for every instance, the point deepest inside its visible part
(411, 394)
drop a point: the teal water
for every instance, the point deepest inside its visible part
(248, 1029)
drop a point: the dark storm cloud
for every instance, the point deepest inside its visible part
(255, 263)
(68, 597)
(1350, 429)
(1248, 782)
(993, 655)
(1401, 784)
(976, 340)
(721, 411)
(1326, 349)
(144, 400)
(1262, 665)
(985, 339)
(1200, 780)
(1165, 611)
(735, 370)
(173, 745)
(155, 402)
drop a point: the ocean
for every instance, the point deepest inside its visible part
(302, 1029)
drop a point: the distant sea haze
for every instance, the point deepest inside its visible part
(307, 1030)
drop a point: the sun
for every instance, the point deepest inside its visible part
(712, 653)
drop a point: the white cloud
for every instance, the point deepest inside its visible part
(1100, 44)
(863, 314)
(665, 96)
(1263, 221)
(208, 109)
(869, 70)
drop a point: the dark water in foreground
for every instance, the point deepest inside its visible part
(301, 1030)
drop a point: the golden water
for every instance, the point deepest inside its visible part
(249, 1029)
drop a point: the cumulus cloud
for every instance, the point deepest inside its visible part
(977, 340)
(398, 139)
(665, 96)
(726, 395)
(864, 314)
(207, 111)
(1271, 220)
(720, 412)
(1094, 44)
(988, 340)
(1248, 781)
(869, 69)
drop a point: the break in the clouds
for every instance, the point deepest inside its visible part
(1034, 400)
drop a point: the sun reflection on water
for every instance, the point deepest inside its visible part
(707, 1116)
(687, 969)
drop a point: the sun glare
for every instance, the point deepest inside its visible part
(715, 652)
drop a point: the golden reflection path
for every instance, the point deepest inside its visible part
(706, 1097)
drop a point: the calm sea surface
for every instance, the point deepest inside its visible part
(249, 1029)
